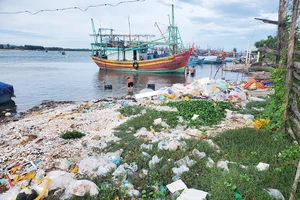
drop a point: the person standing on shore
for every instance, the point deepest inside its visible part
(129, 81)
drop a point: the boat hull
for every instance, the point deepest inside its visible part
(170, 64)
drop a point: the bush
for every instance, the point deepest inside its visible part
(72, 135)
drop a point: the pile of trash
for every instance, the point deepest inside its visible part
(36, 160)
(204, 88)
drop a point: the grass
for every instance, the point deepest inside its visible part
(72, 134)
(244, 146)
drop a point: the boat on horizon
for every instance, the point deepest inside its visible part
(119, 52)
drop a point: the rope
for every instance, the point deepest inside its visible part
(70, 8)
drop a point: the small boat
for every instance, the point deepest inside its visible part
(63, 53)
(6, 93)
(195, 60)
(211, 60)
(162, 55)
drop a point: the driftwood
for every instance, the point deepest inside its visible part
(260, 68)
(296, 75)
(268, 50)
(296, 91)
(295, 109)
(295, 125)
(295, 184)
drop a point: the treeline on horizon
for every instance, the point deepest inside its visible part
(39, 48)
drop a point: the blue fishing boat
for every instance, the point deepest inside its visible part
(6, 92)
(195, 60)
(211, 60)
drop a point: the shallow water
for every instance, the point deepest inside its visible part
(38, 76)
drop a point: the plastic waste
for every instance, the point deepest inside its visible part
(11, 193)
(172, 146)
(275, 194)
(64, 164)
(157, 121)
(154, 161)
(94, 165)
(192, 194)
(180, 170)
(223, 165)
(147, 146)
(116, 159)
(145, 154)
(163, 145)
(185, 161)
(199, 154)
(133, 193)
(195, 117)
(176, 185)
(60, 179)
(210, 163)
(262, 166)
(80, 188)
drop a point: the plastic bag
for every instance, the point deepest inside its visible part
(80, 188)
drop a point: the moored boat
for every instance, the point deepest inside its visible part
(211, 60)
(162, 55)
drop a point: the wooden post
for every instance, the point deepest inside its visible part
(280, 28)
(288, 75)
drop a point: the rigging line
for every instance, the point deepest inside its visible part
(72, 8)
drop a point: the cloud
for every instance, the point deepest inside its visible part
(216, 23)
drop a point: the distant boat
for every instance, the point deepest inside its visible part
(211, 60)
(6, 92)
(195, 60)
(63, 53)
(109, 52)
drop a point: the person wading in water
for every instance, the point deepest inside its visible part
(129, 84)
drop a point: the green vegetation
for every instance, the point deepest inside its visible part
(242, 149)
(72, 135)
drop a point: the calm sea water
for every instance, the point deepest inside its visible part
(38, 76)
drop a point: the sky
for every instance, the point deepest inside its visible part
(215, 24)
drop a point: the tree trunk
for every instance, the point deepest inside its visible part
(288, 76)
(280, 28)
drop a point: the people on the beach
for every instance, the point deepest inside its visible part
(129, 84)
(192, 70)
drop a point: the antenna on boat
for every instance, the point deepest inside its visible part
(129, 28)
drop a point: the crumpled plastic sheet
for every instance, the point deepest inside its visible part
(80, 188)
(95, 165)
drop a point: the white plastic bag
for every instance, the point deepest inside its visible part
(80, 188)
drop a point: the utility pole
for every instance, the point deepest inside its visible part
(280, 29)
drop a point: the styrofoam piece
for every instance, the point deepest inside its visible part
(146, 94)
(192, 194)
(176, 185)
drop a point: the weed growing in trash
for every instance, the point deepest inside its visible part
(132, 110)
(72, 134)
(210, 113)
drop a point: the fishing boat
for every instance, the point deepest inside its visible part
(195, 60)
(6, 93)
(211, 60)
(121, 52)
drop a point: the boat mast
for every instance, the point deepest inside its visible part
(94, 34)
(173, 32)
